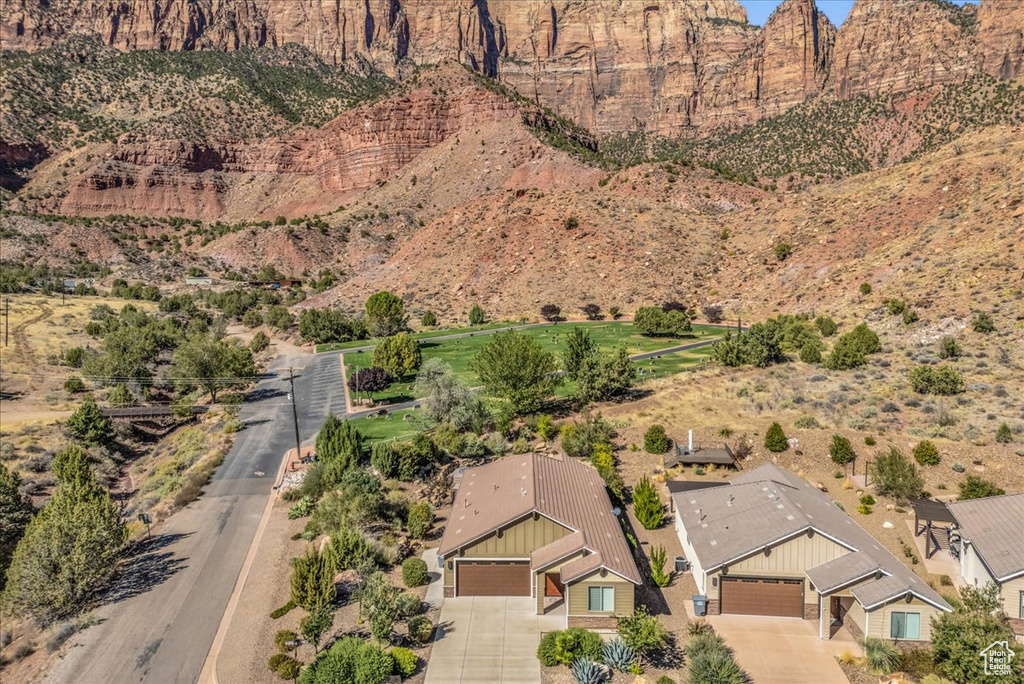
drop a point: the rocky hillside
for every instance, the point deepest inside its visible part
(676, 67)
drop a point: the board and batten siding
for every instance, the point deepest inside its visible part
(879, 619)
(791, 558)
(579, 592)
(518, 540)
(538, 578)
(695, 567)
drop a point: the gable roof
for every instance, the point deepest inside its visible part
(990, 525)
(841, 571)
(567, 491)
(767, 505)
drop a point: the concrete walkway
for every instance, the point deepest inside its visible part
(488, 640)
(435, 590)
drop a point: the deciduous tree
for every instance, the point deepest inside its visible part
(516, 369)
(385, 314)
(399, 355)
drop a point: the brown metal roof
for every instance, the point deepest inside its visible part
(567, 491)
(558, 549)
(995, 526)
(767, 505)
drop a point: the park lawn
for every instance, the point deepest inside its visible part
(393, 426)
(421, 335)
(608, 335)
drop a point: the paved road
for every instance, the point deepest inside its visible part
(161, 618)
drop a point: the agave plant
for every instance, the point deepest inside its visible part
(586, 671)
(618, 655)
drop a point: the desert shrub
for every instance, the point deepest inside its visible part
(665, 679)
(59, 635)
(926, 453)
(406, 661)
(896, 476)
(983, 323)
(429, 319)
(384, 457)
(775, 439)
(259, 342)
(421, 519)
(643, 632)
(810, 353)
(826, 326)
(782, 250)
(1004, 435)
(74, 385)
(841, 451)
(658, 574)
(655, 440)
(278, 613)
(562, 647)
(880, 656)
(580, 438)
(944, 380)
(546, 429)
(807, 423)
(975, 487)
(421, 629)
(409, 604)
(948, 348)
(618, 655)
(414, 572)
(282, 638)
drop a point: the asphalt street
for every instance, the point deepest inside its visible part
(160, 619)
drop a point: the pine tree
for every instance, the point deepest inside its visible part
(312, 580)
(841, 450)
(647, 506)
(15, 513)
(775, 439)
(89, 426)
(579, 346)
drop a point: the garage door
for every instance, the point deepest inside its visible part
(763, 596)
(493, 578)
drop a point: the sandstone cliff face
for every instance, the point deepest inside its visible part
(678, 67)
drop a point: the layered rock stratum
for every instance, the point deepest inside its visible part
(678, 67)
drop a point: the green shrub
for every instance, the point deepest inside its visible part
(775, 439)
(665, 679)
(562, 647)
(655, 440)
(865, 289)
(943, 380)
(647, 505)
(975, 487)
(926, 453)
(841, 450)
(983, 323)
(782, 250)
(421, 519)
(546, 428)
(74, 385)
(384, 457)
(880, 656)
(414, 572)
(283, 610)
(429, 319)
(658, 574)
(1004, 435)
(409, 604)
(896, 476)
(406, 661)
(810, 353)
(421, 629)
(477, 315)
(826, 326)
(807, 423)
(948, 348)
(282, 638)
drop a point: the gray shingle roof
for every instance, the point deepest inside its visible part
(766, 505)
(568, 491)
(995, 526)
(843, 570)
(880, 590)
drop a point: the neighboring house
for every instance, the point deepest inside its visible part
(992, 548)
(543, 527)
(772, 544)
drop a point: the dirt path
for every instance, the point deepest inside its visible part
(22, 349)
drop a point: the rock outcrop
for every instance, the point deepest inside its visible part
(671, 66)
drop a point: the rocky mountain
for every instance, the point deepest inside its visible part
(675, 67)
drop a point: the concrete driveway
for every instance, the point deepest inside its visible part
(488, 640)
(784, 650)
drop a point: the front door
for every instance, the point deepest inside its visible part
(553, 584)
(836, 612)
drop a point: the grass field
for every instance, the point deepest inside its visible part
(421, 335)
(393, 426)
(608, 335)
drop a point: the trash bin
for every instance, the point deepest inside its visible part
(700, 604)
(682, 565)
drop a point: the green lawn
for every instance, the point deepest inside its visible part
(608, 335)
(392, 426)
(421, 335)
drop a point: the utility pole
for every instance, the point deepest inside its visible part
(295, 413)
(7, 318)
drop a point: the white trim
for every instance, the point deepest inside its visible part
(602, 567)
(896, 597)
(541, 568)
(1010, 577)
(847, 583)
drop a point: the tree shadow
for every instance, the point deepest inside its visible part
(148, 565)
(264, 393)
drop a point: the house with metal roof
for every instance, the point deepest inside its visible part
(991, 548)
(770, 543)
(544, 527)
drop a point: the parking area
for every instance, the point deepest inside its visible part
(774, 649)
(488, 640)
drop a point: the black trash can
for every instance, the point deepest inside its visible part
(700, 605)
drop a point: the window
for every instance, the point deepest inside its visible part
(905, 626)
(601, 599)
(1021, 606)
